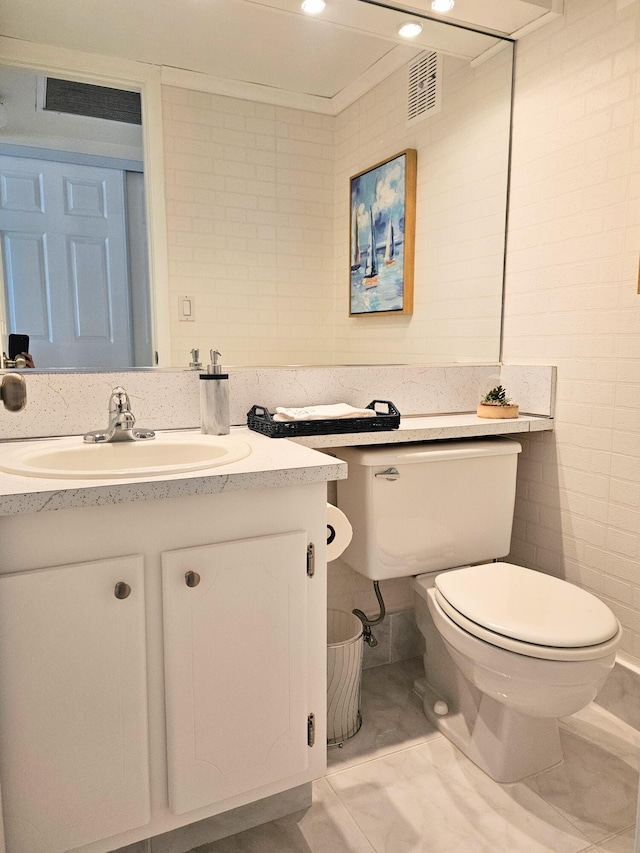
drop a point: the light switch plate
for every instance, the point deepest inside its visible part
(186, 309)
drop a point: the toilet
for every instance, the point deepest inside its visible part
(508, 649)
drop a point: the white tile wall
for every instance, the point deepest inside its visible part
(250, 228)
(571, 297)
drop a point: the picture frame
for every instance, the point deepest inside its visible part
(382, 225)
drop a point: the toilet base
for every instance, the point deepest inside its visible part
(506, 745)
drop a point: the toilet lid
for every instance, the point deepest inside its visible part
(526, 605)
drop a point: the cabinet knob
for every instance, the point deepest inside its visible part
(192, 578)
(122, 590)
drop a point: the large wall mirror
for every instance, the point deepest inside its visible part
(236, 209)
(73, 222)
(90, 294)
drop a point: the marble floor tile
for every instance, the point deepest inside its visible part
(622, 843)
(392, 716)
(621, 694)
(324, 828)
(607, 730)
(432, 799)
(596, 786)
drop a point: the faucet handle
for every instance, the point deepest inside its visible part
(121, 421)
(119, 401)
(13, 392)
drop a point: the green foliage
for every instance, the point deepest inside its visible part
(496, 397)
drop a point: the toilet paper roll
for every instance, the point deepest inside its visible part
(339, 532)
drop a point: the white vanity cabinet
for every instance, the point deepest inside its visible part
(73, 700)
(126, 718)
(235, 633)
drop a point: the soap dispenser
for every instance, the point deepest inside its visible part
(214, 398)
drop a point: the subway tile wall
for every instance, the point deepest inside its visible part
(249, 191)
(572, 297)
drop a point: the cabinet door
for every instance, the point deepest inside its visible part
(73, 711)
(235, 666)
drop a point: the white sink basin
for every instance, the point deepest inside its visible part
(73, 459)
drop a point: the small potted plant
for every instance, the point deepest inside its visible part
(496, 404)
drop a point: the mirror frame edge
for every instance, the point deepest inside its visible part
(146, 79)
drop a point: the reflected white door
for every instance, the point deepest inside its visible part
(65, 261)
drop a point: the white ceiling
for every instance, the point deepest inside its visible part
(268, 44)
(504, 17)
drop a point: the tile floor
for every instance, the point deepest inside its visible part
(398, 785)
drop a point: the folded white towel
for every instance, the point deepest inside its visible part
(316, 413)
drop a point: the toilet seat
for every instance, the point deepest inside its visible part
(527, 612)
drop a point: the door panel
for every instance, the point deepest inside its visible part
(90, 289)
(85, 198)
(235, 667)
(26, 261)
(73, 705)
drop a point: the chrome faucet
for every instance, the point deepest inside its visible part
(121, 422)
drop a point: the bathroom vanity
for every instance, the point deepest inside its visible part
(162, 646)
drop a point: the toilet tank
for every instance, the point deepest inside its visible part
(450, 503)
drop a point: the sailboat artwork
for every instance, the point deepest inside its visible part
(382, 237)
(355, 247)
(370, 277)
(389, 252)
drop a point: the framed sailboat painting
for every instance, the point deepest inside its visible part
(382, 237)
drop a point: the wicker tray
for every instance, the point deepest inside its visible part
(259, 419)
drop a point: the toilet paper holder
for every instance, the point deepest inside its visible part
(339, 532)
(338, 526)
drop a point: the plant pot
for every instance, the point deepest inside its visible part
(485, 410)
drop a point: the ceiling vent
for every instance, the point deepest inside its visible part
(425, 87)
(85, 99)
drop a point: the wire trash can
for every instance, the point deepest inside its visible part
(344, 676)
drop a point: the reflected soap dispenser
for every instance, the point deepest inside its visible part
(214, 398)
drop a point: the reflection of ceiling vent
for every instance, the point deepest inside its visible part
(425, 87)
(85, 99)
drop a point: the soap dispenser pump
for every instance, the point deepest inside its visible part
(214, 398)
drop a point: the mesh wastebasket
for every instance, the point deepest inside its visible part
(344, 674)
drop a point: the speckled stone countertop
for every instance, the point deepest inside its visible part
(432, 428)
(272, 463)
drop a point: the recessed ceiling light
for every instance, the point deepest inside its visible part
(410, 30)
(442, 5)
(313, 7)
